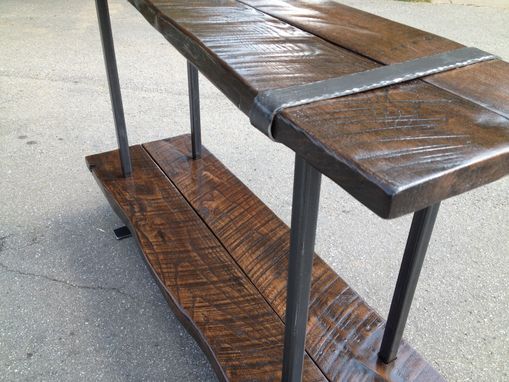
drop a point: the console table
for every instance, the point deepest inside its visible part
(399, 118)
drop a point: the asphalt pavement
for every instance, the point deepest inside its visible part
(77, 305)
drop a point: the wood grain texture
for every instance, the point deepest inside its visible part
(344, 333)
(212, 297)
(382, 40)
(243, 51)
(397, 150)
(402, 148)
(389, 42)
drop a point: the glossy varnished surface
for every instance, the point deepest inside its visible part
(396, 150)
(238, 330)
(344, 333)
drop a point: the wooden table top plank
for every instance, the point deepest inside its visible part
(400, 149)
(380, 39)
(344, 333)
(218, 304)
(243, 51)
(389, 42)
(414, 146)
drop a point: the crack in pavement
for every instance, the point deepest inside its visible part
(65, 282)
(5, 247)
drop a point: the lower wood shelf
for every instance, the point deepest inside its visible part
(220, 258)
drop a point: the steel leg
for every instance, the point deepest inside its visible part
(413, 258)
(194, 108)
(306, 195)
(103, 16)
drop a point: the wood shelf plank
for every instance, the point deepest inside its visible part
(344, 333)
(210, 294)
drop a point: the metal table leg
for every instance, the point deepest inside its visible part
(306, 195)
(103, 16)
(413, 258)
(194, 108)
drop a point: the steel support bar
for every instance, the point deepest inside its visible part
(306, 195)
(269, 102)
(103, 16)
(413, 258)
(194, 109)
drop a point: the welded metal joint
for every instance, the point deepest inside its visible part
(268, 103)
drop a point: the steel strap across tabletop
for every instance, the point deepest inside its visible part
(268, 103)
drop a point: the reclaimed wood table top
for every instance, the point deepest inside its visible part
(397, 149)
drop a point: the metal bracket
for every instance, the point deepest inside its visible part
(122, 233)
(268, 103)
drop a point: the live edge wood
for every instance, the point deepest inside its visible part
(220, 258)
(396, 150)
(344, 333)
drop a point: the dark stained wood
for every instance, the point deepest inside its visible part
(389, 42)
(243, 51)
(212, 297)
(344, 333)
(486, 84)
(400, 149)
(396, 150)
(380, 39)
